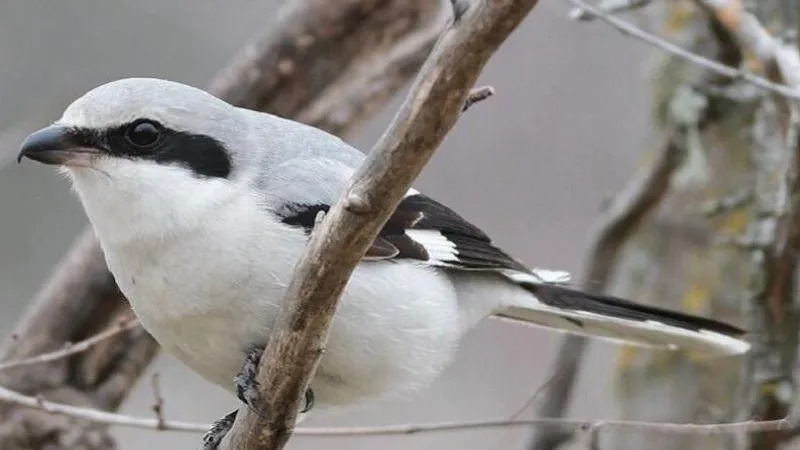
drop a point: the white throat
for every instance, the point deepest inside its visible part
(135, 202)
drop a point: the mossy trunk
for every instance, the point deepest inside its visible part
(714, 263)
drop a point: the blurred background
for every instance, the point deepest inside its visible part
(531, 166)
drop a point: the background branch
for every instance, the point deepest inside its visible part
(72, 348)
(570, 426)
(675, 50)
(608, 7)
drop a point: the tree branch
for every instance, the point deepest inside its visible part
(753, 37)
(608, 7)
(675, 50)
(571, 425)
(332, 64)
(431, 109)
(72, 349)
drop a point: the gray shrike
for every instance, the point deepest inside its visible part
(203, 209)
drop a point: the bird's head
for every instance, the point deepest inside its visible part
(159, 153)
(145, 152)
(140, 122)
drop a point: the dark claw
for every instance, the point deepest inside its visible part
(217, 432)
(246, 384)
(309, 401)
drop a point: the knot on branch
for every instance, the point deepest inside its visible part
(357, 204)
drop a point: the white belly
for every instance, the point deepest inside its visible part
(212, 294)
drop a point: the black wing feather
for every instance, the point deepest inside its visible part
(472, 246)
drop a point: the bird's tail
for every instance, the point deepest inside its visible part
(571, 310)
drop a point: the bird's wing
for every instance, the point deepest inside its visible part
(424, 230)
(420, 228)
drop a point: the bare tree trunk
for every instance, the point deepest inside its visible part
(722, 241)
(331, 63)
(717, 244)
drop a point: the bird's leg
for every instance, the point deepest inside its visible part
(218, 430)
(247, 386)
(245, 381)
(247, 391)
(309, 401)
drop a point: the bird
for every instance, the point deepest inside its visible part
(202, 210)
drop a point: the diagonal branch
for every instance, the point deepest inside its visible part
(608, 7)
(753, 37)
(72, 349)
(332, 64)
(337, 245)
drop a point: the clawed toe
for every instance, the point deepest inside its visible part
(246, 384)
(217, 432)
(309, 401)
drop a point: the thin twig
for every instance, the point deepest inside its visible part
(107, 418)
(675, 50)
(753, 37)
(476, 95)
(609, 7)
(571, 424)
(158, 406)
(71, 349)
(560, 370)
(96, 415)
(594, 437)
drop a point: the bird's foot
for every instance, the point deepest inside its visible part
(246, 384)
(309, 401)
(217, 432)
(220, 428)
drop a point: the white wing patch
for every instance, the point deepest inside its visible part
(439, 248)
(539, 276)
(442, 251)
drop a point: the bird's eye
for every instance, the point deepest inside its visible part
(143, 133)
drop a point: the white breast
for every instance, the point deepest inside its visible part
(207, 272)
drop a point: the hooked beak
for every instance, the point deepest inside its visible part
(56, 145)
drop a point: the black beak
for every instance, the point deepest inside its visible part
(56, 145)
